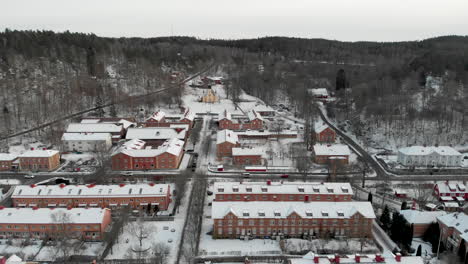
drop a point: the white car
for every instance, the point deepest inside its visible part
(29, 176)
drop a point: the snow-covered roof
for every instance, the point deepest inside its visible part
(7, 157)
(58, 191)
(172, 146)
(125, 123)
(252, 115)
(158, 116)
(224, 115)
(155, 133)
(96, 128)
(331, 150)
(266, 133)
(134, 144)
(318, 91)
(336, 188)
(248, 152)
(227, 135)
(263, 108)
(422, 151)
(284, 209)
(183, 126)
(421, 217)
(39, 153)
(451, 186)
(90, 121)
(189, 115)
(86, 136)
(351, 259)
(46, 215)
(459, 221)
(13, 259)
(320, 126)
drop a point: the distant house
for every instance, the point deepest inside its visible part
(7, 161)
(156, 136)
(254, 121)
(421, 156)
(265, 110)
(210, 97)
(247, 156)
(137, 156)
(86, 142)
(319, 93)
(188, 117)
(326, 153)
(448, 191)
(421, 220)
(39, 160)
(116, 130)
(157, 117)
(226, 140)
(323, 133)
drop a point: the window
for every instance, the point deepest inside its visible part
(308, 213)
(249, 189)
(261, 213)
(277, 213)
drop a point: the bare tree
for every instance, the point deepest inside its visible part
(140, 231)
(66, 240)
(303, 164)
(195, 133)
(422, 194)
(161, 253)
(180, 187)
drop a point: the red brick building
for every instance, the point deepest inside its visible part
(453, 230)
(451, 190)
(421, 220)
(7, 161)
(43, 223)
(157, 117)
(292, 219)
(167, 156)
(156, 136)
(282, 191)
(323, 133)
(117, 130)
(325, 154)
(247, 156)
(226, 140)
(150, 197)
(254, 121)
(39, 160)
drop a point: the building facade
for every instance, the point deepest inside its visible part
(86, 142)
(292, 219)
(451, 189)
(7, 161)
(247, 156)
(323, 133)
(453, 231)
(150, 197)
(44, 223)
(421, 156)
(421, 220)
(39, 160)
(282, 191)
(327, 153)
(253, 121)
(226, 140)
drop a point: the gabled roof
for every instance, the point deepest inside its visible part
(422, 151)
(39, 153)
(248, 152)
(145, 133)
(421, 217)
(7, 157)
(452, 186)
(284, 209)
(96, 128)
(459, 221)
(172, 146)
(320, 126)
(158, 116)
(46, 215)
(331, 150)
(189, 115)
(227, 135)
(252, 115)
(307, 188)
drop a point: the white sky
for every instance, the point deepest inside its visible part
(351, 20)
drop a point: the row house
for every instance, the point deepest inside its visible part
(117, 131)
(44, 223)
(8, 162)
(282, 191)
(155, 118)
(86, 142)
(150, 197)
(247, 156)
(432, 156)
(167, 156)
(156, 136)
(126, 122)
(454, 231)
(292, 219)
(421, 220)
(323, 133)
(326, 153)
(451, 190)
(226, 140)
(160, 119)
(312, 258)
(254, 121)
(39, 160)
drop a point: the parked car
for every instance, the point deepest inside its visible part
(284, 176)
(29, 176)
(246, 175)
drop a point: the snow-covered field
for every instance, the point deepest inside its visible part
(348, 246)
(9, 182)
(26, 252)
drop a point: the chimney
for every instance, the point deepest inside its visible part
(268, 182)
(2, 207)
(306, 198)
(337, 258)
(316, 259)
(379, 258)
(32, 148)
(44, 148)
(35, 208)
(398, 257)
(357, 258)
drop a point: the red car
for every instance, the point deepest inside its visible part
(284, 176)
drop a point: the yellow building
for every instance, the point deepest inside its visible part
(210, 97)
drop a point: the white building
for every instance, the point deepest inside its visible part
(86, 142)
(419, 156)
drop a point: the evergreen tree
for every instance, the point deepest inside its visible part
(341, 82)
(404, 205)
(418, 252)
(385, 219)
(369, 197)
(462, 250)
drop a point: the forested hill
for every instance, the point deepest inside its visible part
(44, 74)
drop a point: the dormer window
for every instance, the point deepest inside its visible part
(309, 213)
(261, 213)
(340, 213)
(245, 214)
(330, 190)
(248, 189)
(345, 189)
(220, 189)
(264, 189)
(235, 188)
(316, 189)
(324, 213)
(277, 213)
(300, 189)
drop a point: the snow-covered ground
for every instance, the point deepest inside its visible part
(26, 252)
(9, 182)
(348, 246)
(426, 248)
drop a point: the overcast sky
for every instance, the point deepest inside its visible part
(350, 20)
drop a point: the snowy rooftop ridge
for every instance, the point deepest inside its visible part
(423, 151)
(227, 135)
(248, 152)
(94, 127)
(451, 186)
(45, 215)
(351, 259)
(86, 136)
(252, 115)
(157, 116)
(51, 191)
(38, 153)
(313, 210)
(143, 133)
(331, 149)
(172, 146)
(336, 188)
(189, 115)
(7, 157)
(421, 217)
